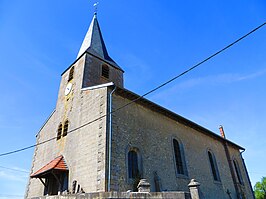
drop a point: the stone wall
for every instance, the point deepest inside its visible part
(93, 71)
(143, 192)
(152, 133)
(104, 195)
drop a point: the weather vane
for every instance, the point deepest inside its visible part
(95, 5)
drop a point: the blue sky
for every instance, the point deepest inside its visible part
(152, 41)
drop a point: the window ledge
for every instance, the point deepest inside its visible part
(217, 182)
(182, 176)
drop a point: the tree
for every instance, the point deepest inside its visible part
(260, 189)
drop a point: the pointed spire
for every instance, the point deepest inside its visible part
(94, 43)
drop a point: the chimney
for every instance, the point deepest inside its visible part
(222, 131)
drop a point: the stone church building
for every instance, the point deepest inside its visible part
(102, 137)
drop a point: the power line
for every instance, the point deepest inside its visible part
(17, 170)
(10, 196)
(261, 173)
(25, 148)
(147, 93)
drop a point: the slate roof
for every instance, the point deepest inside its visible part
(58, 164)
(93, 43)
(155, 107)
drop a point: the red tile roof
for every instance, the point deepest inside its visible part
(56, 164)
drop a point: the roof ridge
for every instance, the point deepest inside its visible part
(61, 157)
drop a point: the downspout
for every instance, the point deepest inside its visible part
(110, 139)
(228, 157)
(249, 182)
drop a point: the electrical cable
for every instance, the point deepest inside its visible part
(17, 170)
(10, 196)
(147, 93)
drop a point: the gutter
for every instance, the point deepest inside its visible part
(98, 86)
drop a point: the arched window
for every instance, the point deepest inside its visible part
(59, 132)
(105, 71)
(238, 173)
(179, 158)
(65, 128)
(214, 167)
(133, 165)
(71, 74)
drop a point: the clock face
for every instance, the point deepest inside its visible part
(68, 88)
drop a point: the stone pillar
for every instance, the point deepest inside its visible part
(194, 189)
(144, 186)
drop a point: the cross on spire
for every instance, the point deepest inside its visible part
(95, 5)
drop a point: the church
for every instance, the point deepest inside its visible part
(102, 137)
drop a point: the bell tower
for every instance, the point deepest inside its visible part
(93, 66)
(99, 67)
(81, 156)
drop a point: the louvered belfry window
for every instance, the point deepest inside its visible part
(105, 71)
(59, 132)
(71, 73)
(65, 128)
